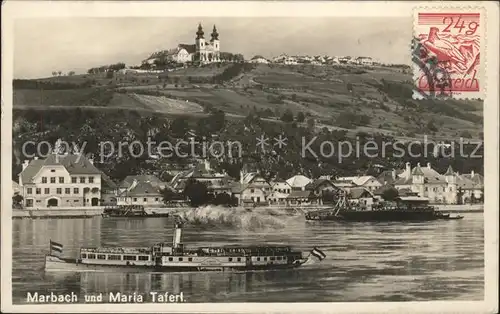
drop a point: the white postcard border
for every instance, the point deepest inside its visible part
(28, 9)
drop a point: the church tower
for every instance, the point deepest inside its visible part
(451, 190)
(215, 43)
(201, 48)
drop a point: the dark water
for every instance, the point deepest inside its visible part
(440, 260)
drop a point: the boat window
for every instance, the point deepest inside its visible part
(91, 256)
(101, 256)
(239, 259)
(265, 258)
(144, 258)
(170, 259)
(278, 258)
(115, 257)
(230, 259)
(258, 258)
(272, 258)
(190, 259)
(180, 259)
(129, 257)
(83, 255)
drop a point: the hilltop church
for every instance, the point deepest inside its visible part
(202, 51)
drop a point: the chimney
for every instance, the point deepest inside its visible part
(25, 164)
(241, 176)
(429, 165)
(408, 170)
(472, 173)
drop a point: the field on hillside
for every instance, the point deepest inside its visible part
(378, 96)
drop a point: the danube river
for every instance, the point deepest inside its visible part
(439, 260)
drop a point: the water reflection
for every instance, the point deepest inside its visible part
(365, 262)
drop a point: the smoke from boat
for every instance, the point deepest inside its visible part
(237, 217)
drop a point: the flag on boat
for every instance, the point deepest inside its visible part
(318, 254)
(55, 247)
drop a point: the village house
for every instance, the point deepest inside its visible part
(201, 172)
(254, 188)
(364, 61)
(298, 182)
(143, 190)
(345, 185)
(282, 187)
(361, 196)
(448, 188)
(259, 59)
(60, 181)
(369, 182)
(323, 189)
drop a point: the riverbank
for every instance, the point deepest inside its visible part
(73, 212)
(469, 208)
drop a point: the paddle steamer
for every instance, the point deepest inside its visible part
(174, 257)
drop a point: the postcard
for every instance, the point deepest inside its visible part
(250, 157)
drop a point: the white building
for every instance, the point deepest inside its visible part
(259, 59)
(369, 182)
(60, 181)
(298, 182)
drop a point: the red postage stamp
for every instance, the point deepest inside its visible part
(447, 54)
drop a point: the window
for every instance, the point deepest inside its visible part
(82, 179)
(258, 258)
(129, 257)
(52, 179)
(170, 259)
(91, 256)
(29, 203)
(38, 191)
(91, 179)
(44, 179)
(47, 191)
(180, 259)
(190, 259)
(29, 190)
(239, 259)
(265, 258)
(76, 201)
(38, 201)
(271, 258)
(59, 191)
(67, 191)
(426, 189)
(230, 259)
(156, 199)
(115, 257)
(61, 179)
(101, 256)
(252, 190)
(278, 258)
(145, 200)
(73, 180)
(450, 189)
(52, 170)
(144, 258)
(135, 199)
(83, 255)
(75, 190)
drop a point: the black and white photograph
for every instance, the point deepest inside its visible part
(190, 157)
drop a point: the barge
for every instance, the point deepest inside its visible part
(130, 211)
(410, 208)
(174, 257)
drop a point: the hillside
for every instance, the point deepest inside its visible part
(368, 99)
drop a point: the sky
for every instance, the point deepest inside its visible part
(77, 44)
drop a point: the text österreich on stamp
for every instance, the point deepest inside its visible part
(447, 53)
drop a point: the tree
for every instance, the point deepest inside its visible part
(71, 73)
(179, 127)
(54, 73)
(59, 73)
(17, 200)
(390, 194)
(287, 116)
(223, 199)
(169, 195)
(301, 117)
(196, 192)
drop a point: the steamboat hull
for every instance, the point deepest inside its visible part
(377, 216)
(56, 264)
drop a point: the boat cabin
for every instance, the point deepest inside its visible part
(117, 256)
